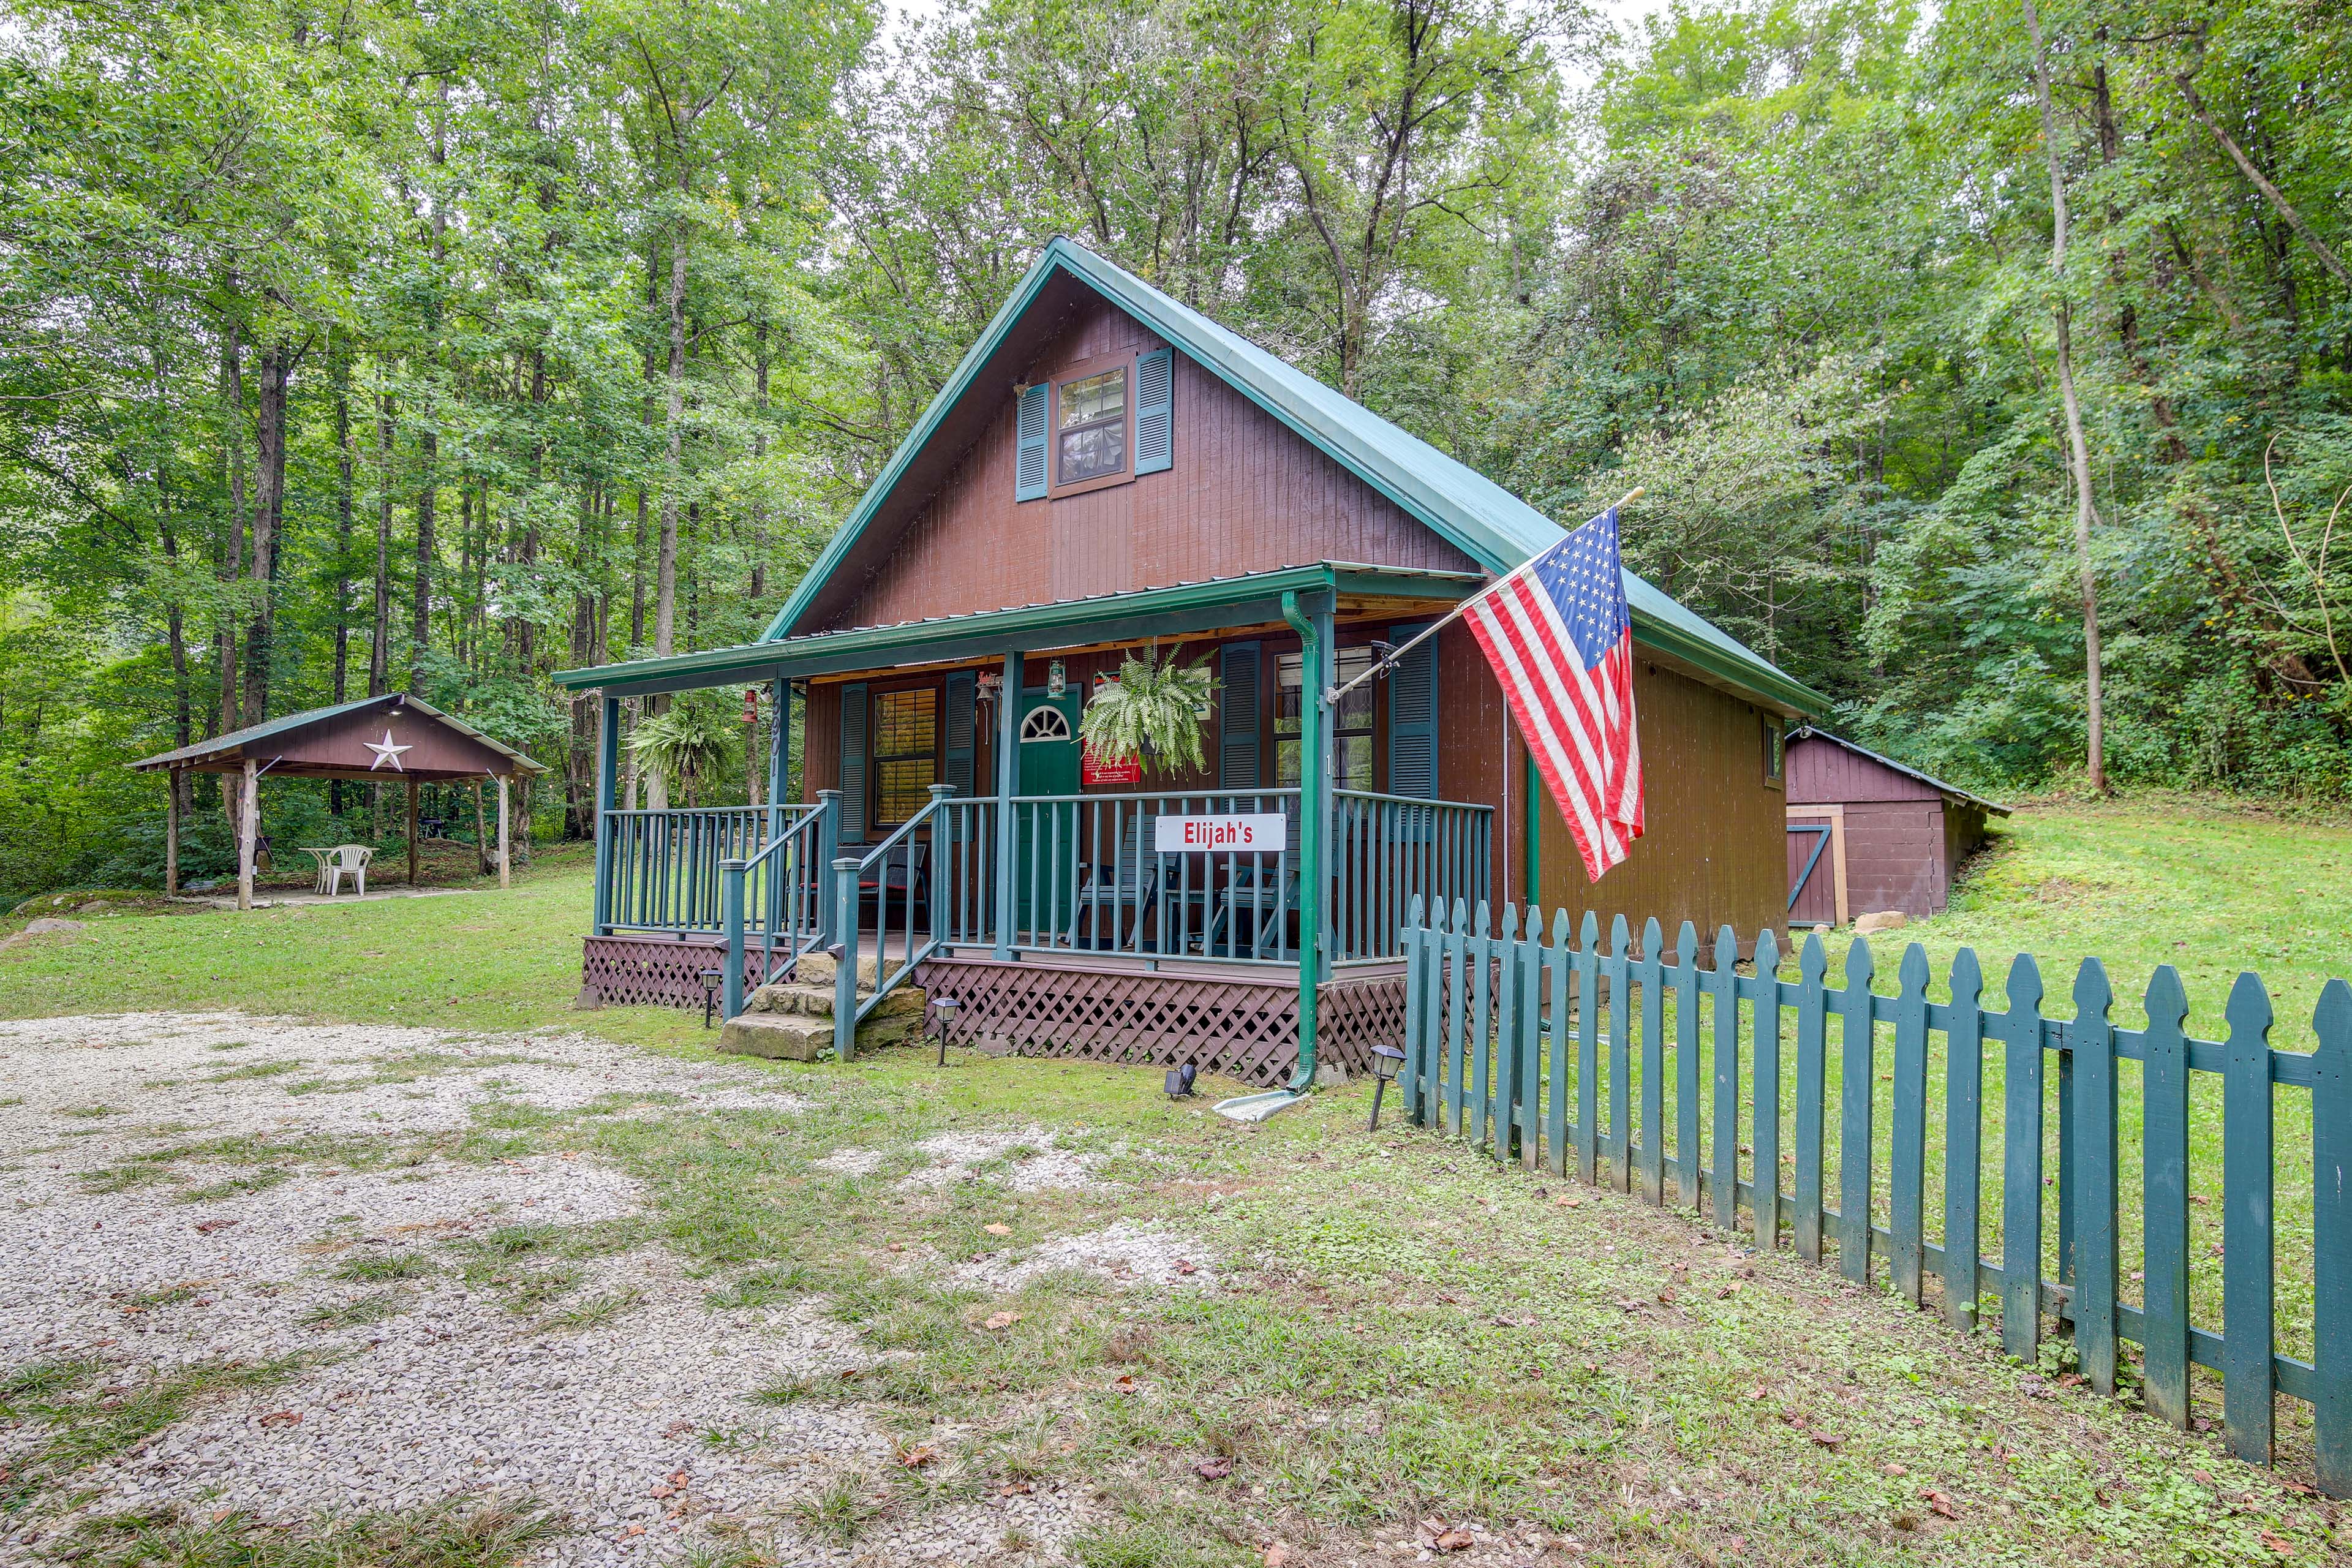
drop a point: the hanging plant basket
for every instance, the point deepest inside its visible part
(1150, 711)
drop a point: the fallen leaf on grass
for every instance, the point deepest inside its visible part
(997, 1229)
(206, 1228)
(1455, 1539)
(916, 1457)
(1829, 1440)
(1015, 1488)
(1276, 1555)
(1939, 1502)
(282, 1418)
(1667, 1296)
(1002, 1320)
(1568, 1201)
(1628, 1304)
(1892, 1468)
(1215, 1469)
(1123, 1380)
(2278, 1543)
(678, 1429)
(1184, 1266)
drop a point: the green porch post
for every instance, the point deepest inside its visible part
(608, 779)
(1008, 774)
(780, 751)
(1314, 815)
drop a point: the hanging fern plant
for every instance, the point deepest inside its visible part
(1152, 710)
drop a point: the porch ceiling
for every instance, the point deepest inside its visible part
(1212, 605)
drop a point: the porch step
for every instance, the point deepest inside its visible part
(797, 1038)
(803, 1000)
(822, 969)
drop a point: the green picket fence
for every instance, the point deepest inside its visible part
(1502, 1051)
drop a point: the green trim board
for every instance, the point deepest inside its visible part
(1209, 606)
(1487, 522)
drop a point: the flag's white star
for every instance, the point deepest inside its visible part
(385, 752)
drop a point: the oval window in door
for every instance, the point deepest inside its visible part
(1046, 725)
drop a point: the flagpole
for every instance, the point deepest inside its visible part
(1332, 695)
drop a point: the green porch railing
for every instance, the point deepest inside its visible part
(775, 899)
(662, 868)
(1507, 1047)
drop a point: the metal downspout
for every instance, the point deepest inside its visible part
(1313, 811)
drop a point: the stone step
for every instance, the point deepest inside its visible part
(822, 969)
(797, 1038)
(797, 998)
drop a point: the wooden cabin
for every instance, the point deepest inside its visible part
(1105, 469)
(1868, 834)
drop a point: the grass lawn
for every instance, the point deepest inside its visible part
(1398, 1331)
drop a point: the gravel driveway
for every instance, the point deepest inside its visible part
(442, 1328)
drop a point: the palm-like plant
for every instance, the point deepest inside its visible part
(1153, 710)
(686, 743)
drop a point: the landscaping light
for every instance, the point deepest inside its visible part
(709, 978)
(1386, 1061)
(1180, 1082)
(946, 1008)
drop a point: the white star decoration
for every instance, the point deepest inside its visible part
(385, 752)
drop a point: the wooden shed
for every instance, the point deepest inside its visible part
(1867, 832)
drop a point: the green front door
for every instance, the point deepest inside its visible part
(1045, 836)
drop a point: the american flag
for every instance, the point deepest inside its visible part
(1561, 644)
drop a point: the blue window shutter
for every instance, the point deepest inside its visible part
(1413, 718)
(960, 726)
(1029, 465)
(853, 764)
(1155, 399)
(1239, 701)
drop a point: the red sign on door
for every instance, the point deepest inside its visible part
(1093, 770)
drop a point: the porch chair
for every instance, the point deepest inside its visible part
(1270, 903)
(901, 871)
(1133, 883)
(346, 860)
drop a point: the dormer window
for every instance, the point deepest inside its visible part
(1092, 437)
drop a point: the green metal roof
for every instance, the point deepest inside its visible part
(1477, 516)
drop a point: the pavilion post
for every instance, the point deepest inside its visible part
(506, 873)
(171, 832)
(412, 833)
(248, 820)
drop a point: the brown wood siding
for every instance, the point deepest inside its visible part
(821, 743)
(1244, 494)
(1895, 856)
(1713, 851)
(1821, 771)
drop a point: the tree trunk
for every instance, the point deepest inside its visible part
(665, 561)
(342, 374)
(268, 513)
(2276, 198)
(2095, 759)
(759, 452)
(420, 621)
(232, 564)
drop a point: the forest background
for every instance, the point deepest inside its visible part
(389, 345)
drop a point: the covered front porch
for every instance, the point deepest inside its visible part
(1243, 918)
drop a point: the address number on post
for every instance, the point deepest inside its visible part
(1242, 833)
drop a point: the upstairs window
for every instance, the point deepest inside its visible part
(1092, 439)
(1101, 422)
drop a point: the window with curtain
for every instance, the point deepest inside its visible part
(1352, 761)
(905, 749)
(1092, 438)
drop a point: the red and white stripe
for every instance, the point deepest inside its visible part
(1577, 722)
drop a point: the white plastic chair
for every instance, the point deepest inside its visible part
(348, 860)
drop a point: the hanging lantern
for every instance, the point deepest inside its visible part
(1057, 682)
(751, 706)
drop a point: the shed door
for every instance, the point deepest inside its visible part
(1814, 870)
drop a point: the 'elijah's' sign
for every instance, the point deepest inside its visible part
(1242, 832)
